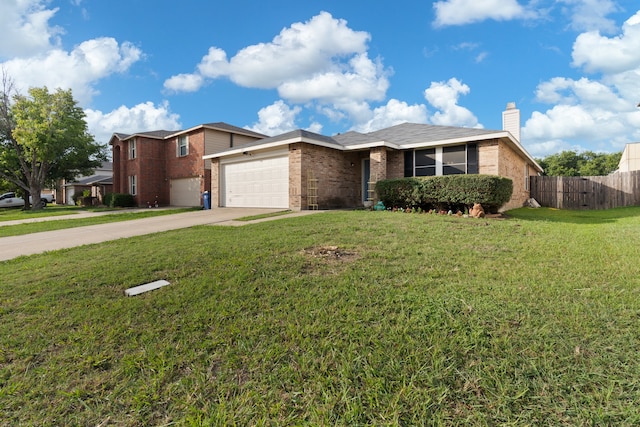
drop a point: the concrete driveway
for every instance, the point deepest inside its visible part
(29, 244)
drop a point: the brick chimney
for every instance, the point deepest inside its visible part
(511, 120)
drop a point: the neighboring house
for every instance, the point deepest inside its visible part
(167, 167)
(304, 170)
(630, 160)
(99, 184)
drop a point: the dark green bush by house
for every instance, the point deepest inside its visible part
(446, 192)
(119, 200)
(400, 192)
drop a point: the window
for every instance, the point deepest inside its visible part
(454, 160)
(526, 177)
(450, 160)
(133, 187)
(132, 148)
(183, 146)
(425, 162)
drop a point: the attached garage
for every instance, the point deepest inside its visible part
(259, 181)
(185, 192)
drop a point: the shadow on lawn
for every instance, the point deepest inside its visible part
(574, 216)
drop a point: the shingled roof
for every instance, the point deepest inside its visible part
(411, 133)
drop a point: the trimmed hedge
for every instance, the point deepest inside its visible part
(119, 200)
(448, 191)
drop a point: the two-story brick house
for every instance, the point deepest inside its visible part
(167, 167)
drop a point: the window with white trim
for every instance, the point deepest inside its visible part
(526, 176)
(133, 185)
(132, 148)
(183, 146)
(449, 160)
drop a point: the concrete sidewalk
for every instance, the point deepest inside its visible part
(29, 244)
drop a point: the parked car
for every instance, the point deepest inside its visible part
(9, 200)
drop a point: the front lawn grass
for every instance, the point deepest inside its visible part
(60, 224)
(11, 214)
(339, 318)
(262, 216)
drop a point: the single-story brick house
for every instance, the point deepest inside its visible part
(167, 167)
(99, 184)
(304, 170)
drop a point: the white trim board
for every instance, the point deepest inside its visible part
(136, 290)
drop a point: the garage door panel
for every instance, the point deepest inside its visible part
(185, 192)
(257, 183)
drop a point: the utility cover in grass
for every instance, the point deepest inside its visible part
(145, 288)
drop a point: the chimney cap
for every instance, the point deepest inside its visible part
(511, 105)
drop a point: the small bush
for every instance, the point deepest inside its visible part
(76, 198)
(455, 192)
(106, 200)
(119, 200)
(398, 192)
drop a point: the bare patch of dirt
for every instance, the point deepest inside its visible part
(330, 253)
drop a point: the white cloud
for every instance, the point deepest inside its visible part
(214, 64)
(444, 96)
(481, 57)
(597, 53)
(25, 28)
(139, 118)
(561, 90)
(584, 111)
(276, 118)
(461, 12)
(184, 83)
(391, 114)
(591, 15)
(78, 69)
(319, 60)
(365, 80)
(600, 112)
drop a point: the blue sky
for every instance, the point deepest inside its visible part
(571, 66)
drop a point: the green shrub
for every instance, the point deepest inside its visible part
(399, 192)
(119, 200)
(76, 198)
(106, 200)
(446, 192)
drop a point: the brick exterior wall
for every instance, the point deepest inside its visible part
(339, 173)
(378, 157)
(513, 166)
(189, 166)
(395, 164)
(157, 163)
(214, 176)
(147, 167)
(297, 194)
(497, 158)
(339, 176)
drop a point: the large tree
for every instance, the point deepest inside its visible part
(47, 140)
(586, 163)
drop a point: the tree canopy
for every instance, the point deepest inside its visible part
(586, 163)
(44, 139)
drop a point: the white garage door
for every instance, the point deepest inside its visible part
(256, 183)
(185, 192)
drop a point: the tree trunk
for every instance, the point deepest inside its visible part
(35, 191)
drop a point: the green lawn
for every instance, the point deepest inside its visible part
(59, 224)
(339, 318)
(11, 214)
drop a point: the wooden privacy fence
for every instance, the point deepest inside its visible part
(587, 192)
